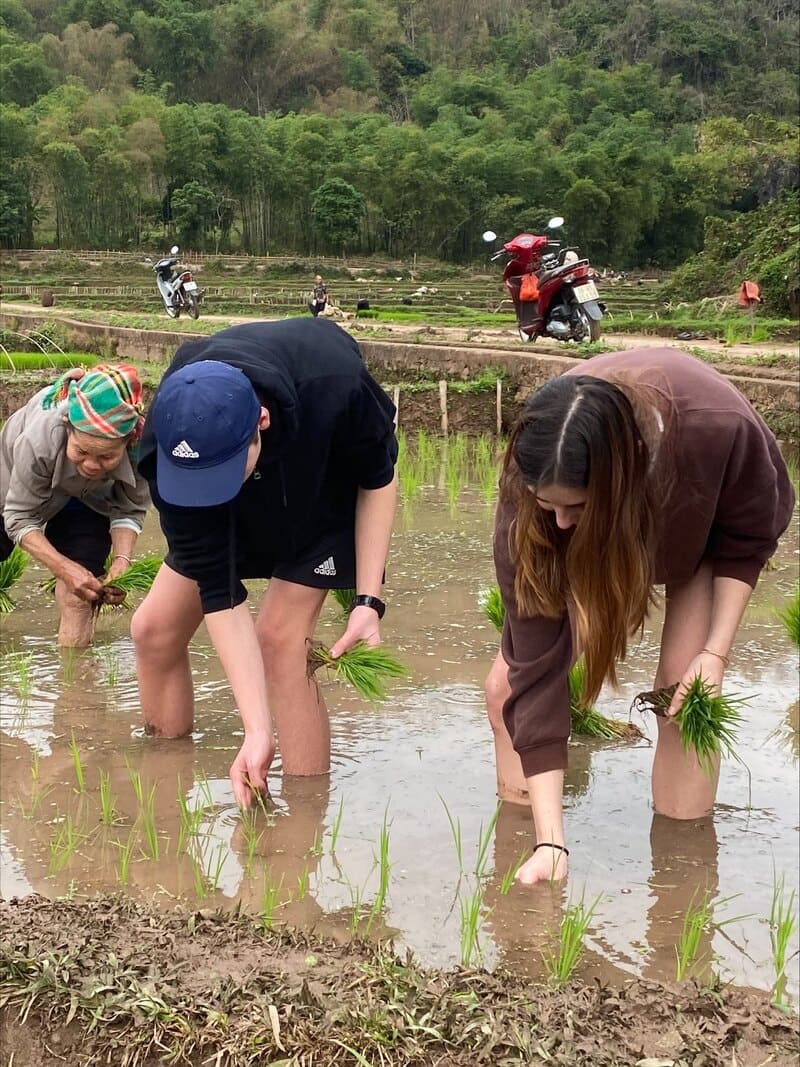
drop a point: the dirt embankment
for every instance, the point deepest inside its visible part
(110, 981)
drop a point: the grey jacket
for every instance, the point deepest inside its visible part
(37, 479)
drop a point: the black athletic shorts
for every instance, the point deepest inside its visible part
(76, 532)
(329, 562)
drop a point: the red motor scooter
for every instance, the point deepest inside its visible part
(552, 288)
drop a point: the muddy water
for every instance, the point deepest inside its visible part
(420, 766)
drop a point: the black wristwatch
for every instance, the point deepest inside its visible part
(363, 600)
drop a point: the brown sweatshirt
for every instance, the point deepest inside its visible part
(730, 500)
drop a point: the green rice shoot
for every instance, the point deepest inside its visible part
(789, 615)
(367, 668)
(586, 721)
(708, 723)
(344, 598)
(11, 570)
(491, 602)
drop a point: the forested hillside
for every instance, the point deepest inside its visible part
(392, 126)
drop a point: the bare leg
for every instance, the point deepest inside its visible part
(287, 618)
(511, 784)
(681, 788)
(162, 628)
(76, 619)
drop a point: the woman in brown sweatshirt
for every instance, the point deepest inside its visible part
(633, 469)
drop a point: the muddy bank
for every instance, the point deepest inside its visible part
(111, 981)
(416, 358)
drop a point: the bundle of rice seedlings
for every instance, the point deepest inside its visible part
(708, 723)
(11, 570)
(494, 609)
(587, 721)
(344, 598)
(365, 667)
(136, 579)
(789, 615)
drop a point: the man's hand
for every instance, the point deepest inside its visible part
(362, 625)
(545, 865)
(249, 769)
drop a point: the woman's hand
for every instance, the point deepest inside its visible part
(545, 865)
(80, 581)
(249, 769)
(709, 667)
(362, 625)
(119, 565)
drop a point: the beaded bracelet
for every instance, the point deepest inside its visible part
(719, 655)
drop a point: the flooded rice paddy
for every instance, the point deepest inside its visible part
(400, 839)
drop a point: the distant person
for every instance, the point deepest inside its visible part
(320, 298)
(632, 469)
(70, 493)
(270, 452)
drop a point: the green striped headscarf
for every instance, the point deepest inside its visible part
(104, 402)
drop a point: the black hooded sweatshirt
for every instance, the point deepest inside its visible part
(331, 432)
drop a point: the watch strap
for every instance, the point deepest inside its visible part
(364, 600)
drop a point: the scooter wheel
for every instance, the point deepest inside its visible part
(172, 311)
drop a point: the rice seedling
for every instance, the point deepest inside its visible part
(63, 844)
(471, 912)
(252, 838)
(302, 883)
(215, 873)
(190, 820)
(782, 928)
(200, 881)
(336, 826)
(344, 598)
(108, 809)
(270, 899)
(148, 822)
(455, 830)
(491, 603)
(11, 570)
(384, 872)
(789, 615)
(18, 665)
(484, 840)
(587, 721)
(365, 667)
(77, 765)
(508, 878)
(697, 924)
(125, 856)
(356, 906)
(38, 794)
(561, 963)
(427, 452)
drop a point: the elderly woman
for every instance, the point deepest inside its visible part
(69, 489)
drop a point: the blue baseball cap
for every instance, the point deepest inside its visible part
(203, 418)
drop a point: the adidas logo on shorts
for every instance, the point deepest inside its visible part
(185, 451)
(327, 567)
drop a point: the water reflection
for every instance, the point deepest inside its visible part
(417, 765)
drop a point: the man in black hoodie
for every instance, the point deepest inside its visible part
(270, 453)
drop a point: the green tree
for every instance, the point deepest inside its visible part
(336, 208)
(193, 212)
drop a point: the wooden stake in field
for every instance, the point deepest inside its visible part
(443, 404)
(396, 402)
(499, 406)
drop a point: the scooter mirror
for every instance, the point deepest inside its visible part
(489, 235)
(555, 222)
(174, 250)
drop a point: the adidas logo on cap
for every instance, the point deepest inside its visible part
(327, 567)
(185, 451)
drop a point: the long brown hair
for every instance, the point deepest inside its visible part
(581, 432)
